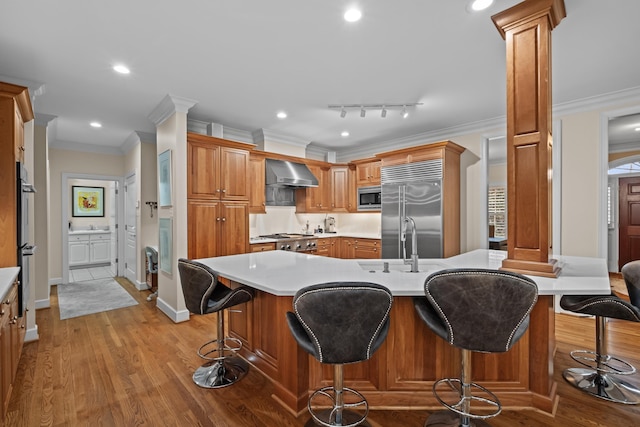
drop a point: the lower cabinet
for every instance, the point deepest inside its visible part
(217, 228)
(12, 332)
(261, 247)
(327, 247)
(85, 249)
(356, 248)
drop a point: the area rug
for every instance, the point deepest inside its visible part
(93, 296)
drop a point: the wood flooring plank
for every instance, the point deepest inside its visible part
(133, 366)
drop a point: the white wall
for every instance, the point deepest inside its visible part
(66, 161)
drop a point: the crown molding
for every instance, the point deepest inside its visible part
(592, 103)
(238, 135)
(262, 135)
(41, 119)
(146, 137)
(169, 105)
(35, 88)
(624, 147)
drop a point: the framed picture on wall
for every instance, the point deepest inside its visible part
(165, 245)
(87, 201)
(164, 179)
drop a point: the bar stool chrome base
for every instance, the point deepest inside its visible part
(450, 419)
(603, 385)
(221, 373)
(336, 414)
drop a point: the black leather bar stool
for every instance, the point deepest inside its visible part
(600, 375)
(476, 310)
(340, 323)
(204, 294)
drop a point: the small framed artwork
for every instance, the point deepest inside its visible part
(164, 179)
(165, 245)
(87, 201)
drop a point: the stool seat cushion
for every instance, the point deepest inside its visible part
(478, 309)
(341, 322)
(203, 293)
(601, 305)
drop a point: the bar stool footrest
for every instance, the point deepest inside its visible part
(204, 353)
(327, 415)
(455, 384)
(605, 364)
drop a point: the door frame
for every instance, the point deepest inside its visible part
(64, 225)
(136, 219)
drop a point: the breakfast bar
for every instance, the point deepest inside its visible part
(401, 373)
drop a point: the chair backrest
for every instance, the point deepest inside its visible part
(346, 322)
(482, 310)
(152, 259)
(631, 274)
(198, 282)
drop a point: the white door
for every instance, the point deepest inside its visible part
(113, 228)
(130, 207)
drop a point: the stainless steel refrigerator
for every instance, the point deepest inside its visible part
(412, 190)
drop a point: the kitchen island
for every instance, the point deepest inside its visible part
(401, 373)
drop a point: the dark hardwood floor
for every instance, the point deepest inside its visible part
(133, 366)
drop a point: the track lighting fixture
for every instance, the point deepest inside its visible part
(384, 108)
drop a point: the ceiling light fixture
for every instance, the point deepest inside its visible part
(122, 69)
(96, 124)
(478, 5)
(384, 108)
(281, 115)
(344, 134)
(352, 15)
(637, 129)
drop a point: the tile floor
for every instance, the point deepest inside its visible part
(93, 273)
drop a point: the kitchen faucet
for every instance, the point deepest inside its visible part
(414, 243)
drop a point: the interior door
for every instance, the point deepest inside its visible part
(629, 216)
(130, 207)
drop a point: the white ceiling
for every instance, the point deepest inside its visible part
(244, 60)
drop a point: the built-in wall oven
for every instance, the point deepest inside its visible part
(24, 245)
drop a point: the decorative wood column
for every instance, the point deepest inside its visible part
(527, 27)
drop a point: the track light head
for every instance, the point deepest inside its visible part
(383, 114)
(404, 113)
(343, 113)
(362, 112)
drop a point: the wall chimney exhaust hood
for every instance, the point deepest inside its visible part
(283, 173)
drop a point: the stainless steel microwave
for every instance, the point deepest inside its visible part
(369, 198)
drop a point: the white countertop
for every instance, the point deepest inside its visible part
(74, 232)
(358, 235)
(7, 277)
(282, 273)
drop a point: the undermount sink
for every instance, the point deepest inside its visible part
(397, 266)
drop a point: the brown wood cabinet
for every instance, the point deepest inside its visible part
(12, 332)
(261, 247)
(332, 193)
(257, 198)
(217, 196)
(367, 172)
(357, 248)
(327, 247)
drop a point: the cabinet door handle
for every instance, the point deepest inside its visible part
(224, 191)
(224, 219)
(218, 219)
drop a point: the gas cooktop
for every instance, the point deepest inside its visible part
(287, 236)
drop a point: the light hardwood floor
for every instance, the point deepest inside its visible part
(133, 366)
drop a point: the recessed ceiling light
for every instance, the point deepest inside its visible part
(281, 115)
(352, 15)
(344, 134)
(96, 124)
(121, 69)
(481, 4)
(637, 129)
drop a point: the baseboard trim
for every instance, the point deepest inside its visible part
(42, 303)
(55, 281)
(141, 286)
(176, 316)
(31, 334)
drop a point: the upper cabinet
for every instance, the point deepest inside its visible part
(218, 168)
(367, 172)
(257, 198)
(331, 194)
